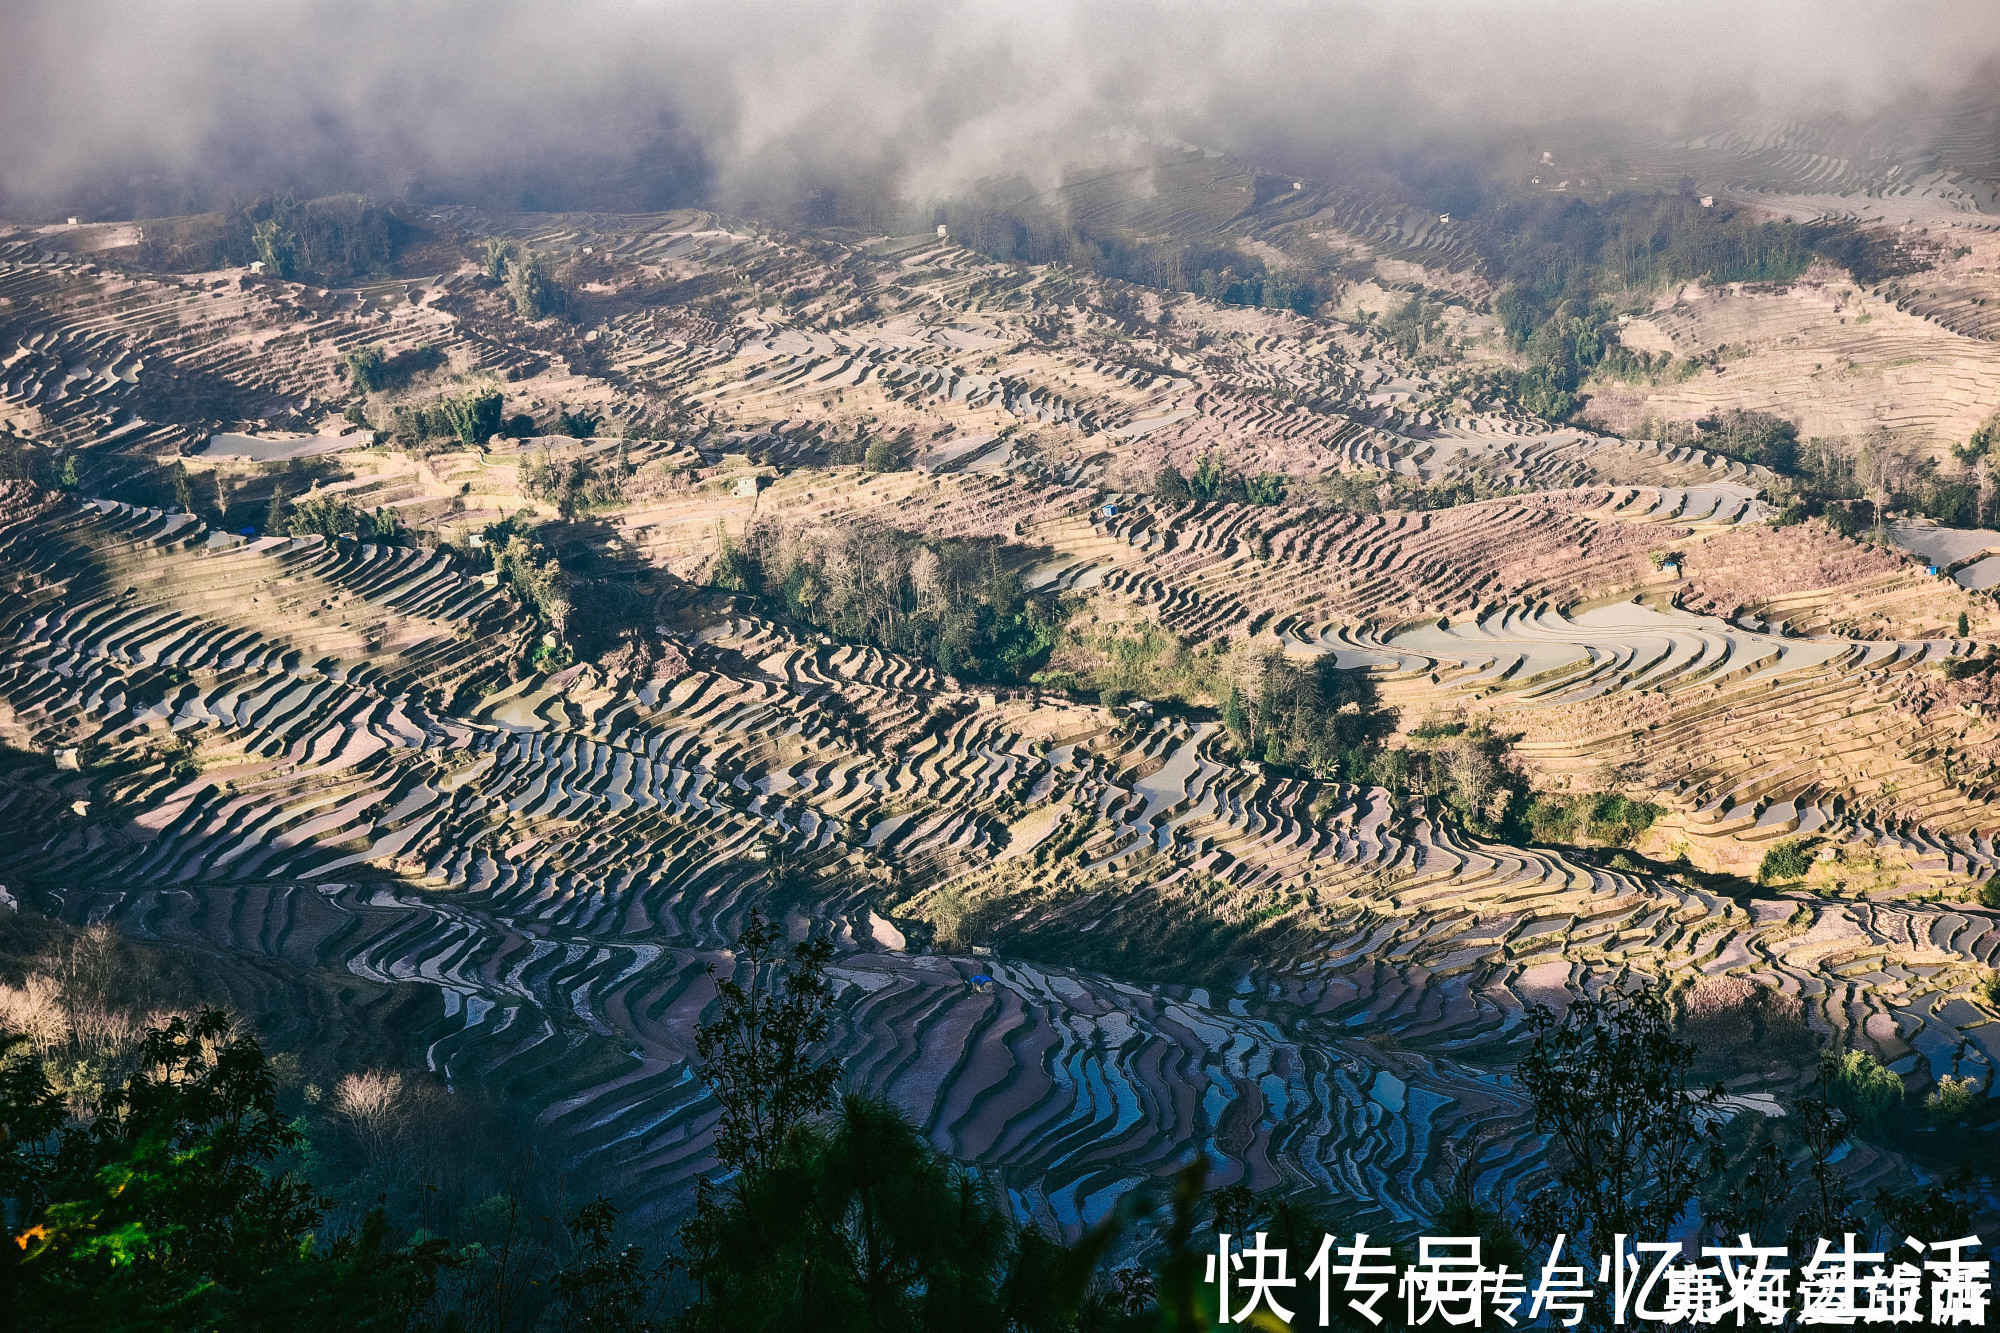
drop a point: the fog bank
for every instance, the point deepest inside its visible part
(110, 104)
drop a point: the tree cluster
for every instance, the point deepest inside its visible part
(957, 603)
(469, 419)
(1313, 717)
(330, 515)
(1211, 481)
(328, 241)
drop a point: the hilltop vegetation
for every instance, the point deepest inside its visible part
(957, 604)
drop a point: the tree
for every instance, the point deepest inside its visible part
(320, 513)
(367, 367)
(1964, 625)
(1859, 1085)
(498, 252)
(1785, 861)
(1169, 486)
(1207, 480)
(276, 246)
(1266, 488)
(535, 575)
(855, 1224)
(581, 425)
(474, 416)
(1236, 719)
(1608, 1081)
(183, 488)
(162, 1211)
(884, 456)
(66, 478)
(756, 1054)
(613, 1289)
(862, 1225)
(532, 287)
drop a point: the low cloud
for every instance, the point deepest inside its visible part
(118, 104)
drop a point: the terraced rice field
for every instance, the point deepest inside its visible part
(310, 750)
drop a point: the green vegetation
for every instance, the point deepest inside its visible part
(1785, 861)
(577, 484)
(1953, 1101)
(1857, 1084)
(1984, 437)
(1748, 437)
(338, 240)
(1212, 481)
(756, 1053)
(1371, 491)
(160, 1209)
(1411, 326)
(1565, 267)
(954, 602)
(329, 515)
(1312, 717)
(468, 419)
(495, 257)
(365, 367)
(885, 456)
(1989, 892)
(532, 287)
(1036, 235)
(1462, 764)
(1117, 665)
(531, 570)
(1629, 1134)
(1600, 817)
(579, 425)
(854, 1221)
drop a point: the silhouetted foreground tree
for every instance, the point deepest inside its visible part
(165, 1205)
(161, 1212)
(1609, 1084)
(1635, 1143)
(854, 1222)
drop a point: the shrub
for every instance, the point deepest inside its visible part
(1989, 988)
(1857, 1083)
(884, 456)
(1603, 817)
(1785, 861)
(367, 366)
(1989, 893)
(1266, 488)
(533, 288)
(1952, 1101)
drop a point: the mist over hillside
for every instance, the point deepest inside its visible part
(117, 109)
